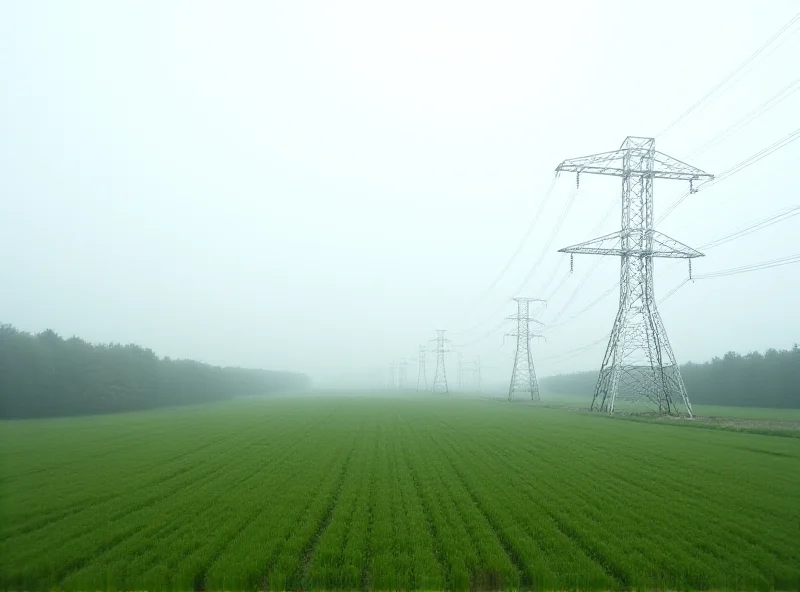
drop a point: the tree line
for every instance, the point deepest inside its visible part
(45, 375)
(771, 379)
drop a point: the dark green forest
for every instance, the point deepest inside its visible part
(44, 375)
(771, 379)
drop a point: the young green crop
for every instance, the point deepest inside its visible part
(417, 493)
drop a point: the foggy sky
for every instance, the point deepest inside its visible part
(318, 186)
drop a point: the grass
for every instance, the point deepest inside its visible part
(393, 493)
(762, 413)
(706, 411)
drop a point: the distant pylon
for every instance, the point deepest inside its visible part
(440, 377)
(639, 363)
(401, 374)
(393, 375)
(523, 376)
(422, 377)
(460, 371)
(471, 372)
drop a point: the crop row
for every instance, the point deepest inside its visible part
(392, 494)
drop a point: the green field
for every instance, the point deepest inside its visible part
(716, 411)
(391, 493)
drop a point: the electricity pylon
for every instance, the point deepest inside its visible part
(471, 372)
(460, 371)
(402, 373)
(639, 363)
(440, 377)
(422, 378)
(393, 375)
(523, 376)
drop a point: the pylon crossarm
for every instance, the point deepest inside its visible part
(641, 243)
(666, 246)
(530, 320)
(667, 167)
(605, 163)
(661, 166)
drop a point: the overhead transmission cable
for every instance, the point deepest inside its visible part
(561, 265)
(520, 246)
(552, 237)
(585, 308)
(489, 333)
(750, 160)
(785, 141)
(775, 100)
(788, 260)
(571, 353)
(596, 264)
(738, 69)
(549, 295)
(755, 227)
(765, 223)
(752, 267)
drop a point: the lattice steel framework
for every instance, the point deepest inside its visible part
(639, 363)
(523, 376)
(422, 376)
(440, 377)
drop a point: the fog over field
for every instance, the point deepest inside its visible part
(316, 187)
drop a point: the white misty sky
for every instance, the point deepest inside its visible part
(318, 186)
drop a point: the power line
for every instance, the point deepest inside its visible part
(775, 100)
(551, 239)
(555, 291)
(489, 333)
(765, 223)
(762, 224)
(553, 234)
(675, 289)
(578, 288)
(556, 228)
(724, 81)
(571, 353)
(750, 160)
(725, 272)
(752, 267)
(577, 349)
(597, 263)
(520, 246)
(585, 308)
(788, 260)
(785, 141)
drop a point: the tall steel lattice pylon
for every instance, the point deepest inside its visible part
(422, 377)
(639, 364)
(440, 377)
(523, 376)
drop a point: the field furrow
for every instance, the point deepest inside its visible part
(415, 493)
